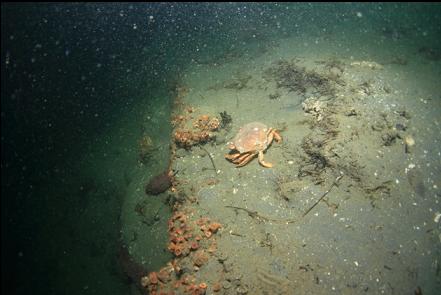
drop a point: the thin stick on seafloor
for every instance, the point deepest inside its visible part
(211, 159)
(324, 195)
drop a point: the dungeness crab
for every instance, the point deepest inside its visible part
(251, 140)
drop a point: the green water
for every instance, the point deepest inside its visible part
(83, 83)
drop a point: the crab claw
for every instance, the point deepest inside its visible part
(277, 136)
(231, 146)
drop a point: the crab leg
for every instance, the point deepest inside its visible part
(277, 136)
(232, 157)
(262, 162)
(246, 160)
(273, 134)
(242, 157)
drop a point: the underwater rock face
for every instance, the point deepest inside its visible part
(131, 269)
(159, 183)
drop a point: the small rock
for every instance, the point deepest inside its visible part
(404, 113)
(228, 266)
(181, 153)
(221, 256)
(389, 138)
(201, 153)
(220, 139)
(226, 285)
(351, 112)
(242, 290)
(437, 217)
(400, 126)
(200, 258)
(236, 282)
(378, 126)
